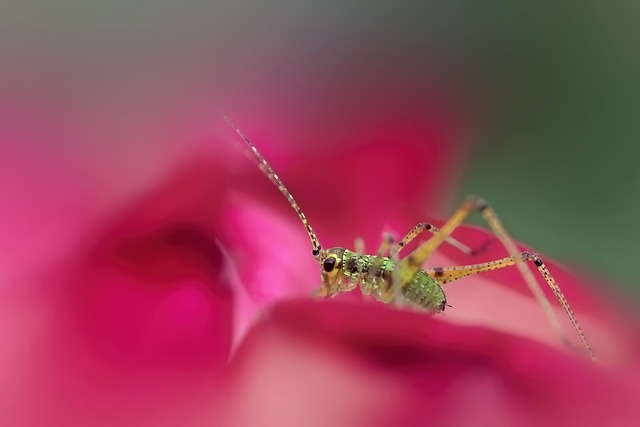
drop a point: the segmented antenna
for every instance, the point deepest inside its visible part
(271, 174)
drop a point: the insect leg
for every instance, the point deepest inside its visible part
(419, 229)
(408, 267)
(387, 242)
(496, 226)
(449, 274)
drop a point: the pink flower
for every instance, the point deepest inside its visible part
(190, 306)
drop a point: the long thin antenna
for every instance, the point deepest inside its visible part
(271, 174)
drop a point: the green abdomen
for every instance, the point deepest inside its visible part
(425, 292)
(375, 275)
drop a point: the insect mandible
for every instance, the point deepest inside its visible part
(390, 279)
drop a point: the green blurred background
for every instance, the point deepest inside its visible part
(561, 164)
(554, 89)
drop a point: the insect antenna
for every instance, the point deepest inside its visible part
(271, 174)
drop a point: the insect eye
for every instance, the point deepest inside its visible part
(329, 264)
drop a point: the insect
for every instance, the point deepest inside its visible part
(390, 279)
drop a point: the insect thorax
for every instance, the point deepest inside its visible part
(375, 277)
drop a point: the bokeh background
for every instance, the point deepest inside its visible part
(559, 160)
(544, 94)
(119, 177)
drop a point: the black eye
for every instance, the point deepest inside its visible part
(329, 264)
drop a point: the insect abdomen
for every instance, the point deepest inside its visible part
(375, 276)
(425, 292)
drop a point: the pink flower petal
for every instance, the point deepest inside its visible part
(333, 363)
(136, 326)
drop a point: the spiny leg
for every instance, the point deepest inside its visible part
(449, 274)
(496, 226)
(408, 267)
(419, 229)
